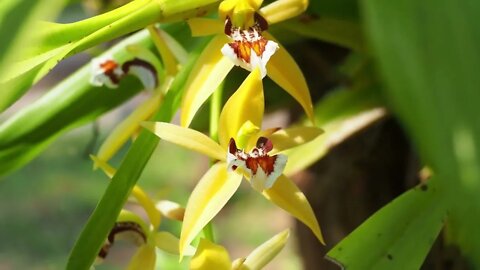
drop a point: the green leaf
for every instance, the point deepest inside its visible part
(71, 103)
(398, 236)
(428, 54)
(17, 19)
(58, 41)
(100, 222)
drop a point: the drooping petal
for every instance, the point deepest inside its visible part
(284, 71)
(205, 26)
(137, 192)
(246, 104)
(285, 139)
(207, 199)
(171, 210)
(266, 251)
(169, 243)
(282, 10)
(210, 70)
(210, 256)
(287, 196)
(186, 137)
(122, 132)
(143, 259)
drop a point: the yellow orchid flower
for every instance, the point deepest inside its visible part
(212, 256)
(240, 39)
(132, 227)
(238, 127)
(155, 76)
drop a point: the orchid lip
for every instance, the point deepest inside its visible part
(262, 168)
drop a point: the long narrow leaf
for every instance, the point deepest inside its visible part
(107, 210)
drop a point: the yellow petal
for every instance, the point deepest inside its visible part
(127, 128)
(336, 132)
(205, 26)
(210, 70)
(266, 251)
(188, 138)
(171, 210)
(207, 199)
(284, 71)
(282, 10)
(169, 243)
(147, 204)
(210, 256)
(286, 195)
(246, 104)
(159, 39)
(143, 259)
(285, 139)
(137, 192)
(104, 166)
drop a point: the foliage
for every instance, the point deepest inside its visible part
(415, 60)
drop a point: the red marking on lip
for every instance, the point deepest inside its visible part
(266, 163)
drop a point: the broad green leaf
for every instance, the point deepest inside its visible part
(58, 41)
(428, 54)
(398, 236)
(71, 103)
(96, 230)
(17, 19)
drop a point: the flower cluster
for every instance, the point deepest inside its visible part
(241, 150)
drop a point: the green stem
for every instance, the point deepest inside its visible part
(215, 107)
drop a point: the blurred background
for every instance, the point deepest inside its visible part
(44, 205)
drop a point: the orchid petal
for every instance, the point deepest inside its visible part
(187, 138)
(127, 128)
(336, 132)
(284, 71)
(169, 243)
(264, 253)
(246, 104)
(205, 27)
(282, 10)
(287, 196)
(210, 70)
(207, 199)
(137, 192)
(143, 259)
(171, 210)
(210, 256)
(285, 139)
